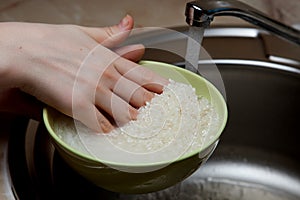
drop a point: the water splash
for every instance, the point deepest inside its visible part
(195, 37)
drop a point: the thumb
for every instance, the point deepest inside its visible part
(112, 35)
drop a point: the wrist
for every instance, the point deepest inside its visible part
(5, 70)
(8, 56)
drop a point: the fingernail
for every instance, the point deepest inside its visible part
(106, 126)
(133, 113)
(124, 22)
(148, 96)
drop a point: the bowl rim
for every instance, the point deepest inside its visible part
(185, 156)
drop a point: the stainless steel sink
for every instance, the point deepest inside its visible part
(258, 156)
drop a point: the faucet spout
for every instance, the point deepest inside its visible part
(200, 13)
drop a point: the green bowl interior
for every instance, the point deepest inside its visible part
(202, 86)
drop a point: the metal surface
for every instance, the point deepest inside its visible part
(6, 192)
(257, 157)
(201, 13)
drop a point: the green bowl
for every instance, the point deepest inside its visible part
(167, 174)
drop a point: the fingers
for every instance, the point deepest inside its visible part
(128, 90)
(116, 107)
(125, 87)
(131, 92)
(112, 35)
(119, 95)
(93, 118)
(131, 52)
(140, 75)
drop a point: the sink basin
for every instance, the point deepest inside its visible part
(258, 156)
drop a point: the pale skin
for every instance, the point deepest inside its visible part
(74, 69)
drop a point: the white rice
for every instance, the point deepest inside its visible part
(175, 123)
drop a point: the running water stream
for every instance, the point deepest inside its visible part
(195, 36)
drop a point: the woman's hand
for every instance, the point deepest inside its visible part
(73, 69)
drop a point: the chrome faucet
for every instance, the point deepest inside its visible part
(200, 13)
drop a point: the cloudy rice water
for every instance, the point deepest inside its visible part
(175, 123)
